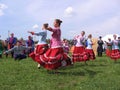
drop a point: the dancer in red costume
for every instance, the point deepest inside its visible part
(55, 57)
(89, 49)
(42, 45)
(79, 53)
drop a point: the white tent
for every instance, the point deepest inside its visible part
(105, 38)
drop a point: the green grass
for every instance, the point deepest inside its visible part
(100, 74)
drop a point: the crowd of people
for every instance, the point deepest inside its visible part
(18, 49)
(55, 54)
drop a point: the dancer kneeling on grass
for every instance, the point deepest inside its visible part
(18, 51)
(54, 56)
(89, 49)
(42, 45)
(79, 53)
(115, 54)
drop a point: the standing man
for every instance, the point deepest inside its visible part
(11, 42)
(30, 43)
(100, 46)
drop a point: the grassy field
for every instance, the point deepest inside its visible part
(100, 74)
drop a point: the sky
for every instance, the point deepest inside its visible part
(96, 17)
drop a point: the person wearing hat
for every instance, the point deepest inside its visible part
(11, 42)
(100, 46)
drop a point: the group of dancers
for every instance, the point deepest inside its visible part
(55, 55)
(113, 48)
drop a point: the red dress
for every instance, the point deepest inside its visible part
(89, 49)
(54, 57)
(115, 54)
(79, 53)
(42, 46)
(108, 50)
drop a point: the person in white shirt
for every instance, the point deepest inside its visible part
(115, 54)
(79, 53)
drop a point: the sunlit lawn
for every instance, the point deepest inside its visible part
(100, 74)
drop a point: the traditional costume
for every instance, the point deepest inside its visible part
(109, 48)
(79, 53)
(115, 54)
(42, 45)
(54, 57)
(89, 49)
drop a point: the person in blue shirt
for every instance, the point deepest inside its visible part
(89, 48)
(42, 45)
(11, 43)
(30, 44)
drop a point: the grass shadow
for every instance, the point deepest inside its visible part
(92, 73)
(74, 73)
(93, 65)
(83, 72)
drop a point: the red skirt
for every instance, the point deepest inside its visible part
(108, 52)
(79, 54)
(40, 49)
(115, 54)
(53, 59)
(91, 54)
